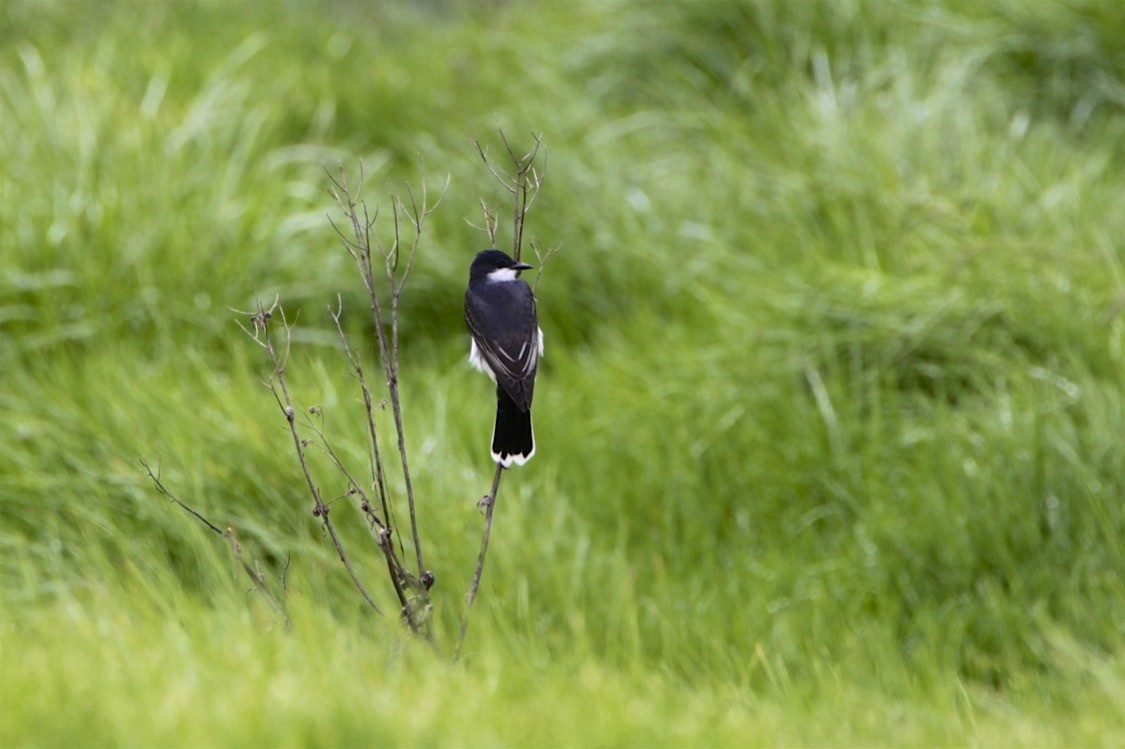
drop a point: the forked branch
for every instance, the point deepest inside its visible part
(523, 182)
(360, 244)
(385, 287)
(259, 332)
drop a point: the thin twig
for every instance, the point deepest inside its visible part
(398, 262)
(489, 227)
(522, 202)
(277, 385)
(379, 528)
(236, 548)
(378, 475)
(155, 477)
(524, 185)
(543, 256)
(360, 249)
(390, 366)
(488, 503)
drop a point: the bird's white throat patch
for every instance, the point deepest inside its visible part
(504, 274)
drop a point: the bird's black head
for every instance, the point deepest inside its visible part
(490, 261)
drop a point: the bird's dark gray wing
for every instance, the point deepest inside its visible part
(508, 344)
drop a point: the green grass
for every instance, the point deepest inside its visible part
(829, 425)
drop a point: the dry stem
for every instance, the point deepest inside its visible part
(236, 548)
(280, 389)
(488, 504)
(524, 184)
(359, 246)
(398, 261)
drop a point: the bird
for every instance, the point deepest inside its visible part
(506, 344)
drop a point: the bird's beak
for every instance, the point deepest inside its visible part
(522, 266)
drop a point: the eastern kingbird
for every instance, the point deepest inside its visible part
(506, 345)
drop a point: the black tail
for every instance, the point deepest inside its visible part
(512, 439)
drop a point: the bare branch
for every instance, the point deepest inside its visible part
(500, 176)
(384, 532)
(523, 183)
(378, 475)
(542, 255)
(489, 227)
(408, 214)
(254, 574)
(488, 504)
(280, 389)
(155, 477)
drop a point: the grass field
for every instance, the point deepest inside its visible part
(829, 427)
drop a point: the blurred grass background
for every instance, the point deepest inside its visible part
(829, 427)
